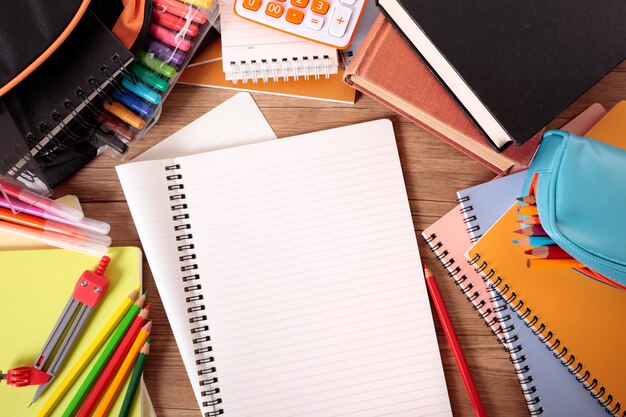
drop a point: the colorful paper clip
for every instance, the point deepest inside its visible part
(88, 291)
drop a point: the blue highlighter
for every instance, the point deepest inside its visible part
(133, 103)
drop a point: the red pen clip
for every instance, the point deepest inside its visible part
(25, 376)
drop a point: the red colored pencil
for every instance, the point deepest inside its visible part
(111, 368)
(548, 252)
(461, 363)
(534, 230)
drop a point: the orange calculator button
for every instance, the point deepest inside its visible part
(300, 3)
(274, 9)
(253, 5)
(320, 6)
(294, 16)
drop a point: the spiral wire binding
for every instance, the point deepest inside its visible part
(497, 322)
(552, 343)
(296, 67)
(72, 127)
(469, 218)
(198, 329)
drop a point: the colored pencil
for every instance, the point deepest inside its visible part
(535, 230)
(530, 220)
(527, 211)
(131, 391)
(554, 263)
(112, 366)
(89, 353)
(548, 252)
(453, 341)
(534, 241)
(132, 322)
(529, 199)
(142, 342)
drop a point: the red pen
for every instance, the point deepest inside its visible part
(175, 23)
(181, 10)
(457, 352)
(173, 39)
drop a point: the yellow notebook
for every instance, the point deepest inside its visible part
(34, 287)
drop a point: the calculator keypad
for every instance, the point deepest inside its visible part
(328, 21)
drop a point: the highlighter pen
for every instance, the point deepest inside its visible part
(200, 3)
(170, 38)
(112, 123)
(150, 78)
(176, 8)
(143, 91)
(156, 64)
(133, 103)
(164, 52)
(124, 114)
(175, 23)
(44, 225)
(54, 239)
(44, 203)
(86, 224)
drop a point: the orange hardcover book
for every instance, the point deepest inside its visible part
(206, 71)
(387, 69)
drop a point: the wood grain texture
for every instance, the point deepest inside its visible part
(433, 173)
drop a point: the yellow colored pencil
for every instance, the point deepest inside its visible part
(127, 366)
(553, 263)
(88, 355)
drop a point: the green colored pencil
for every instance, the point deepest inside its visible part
(131, 391)
(97, 369)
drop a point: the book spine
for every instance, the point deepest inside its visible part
(198, 326)
(496, 318)
(370, 43)
(547, 337)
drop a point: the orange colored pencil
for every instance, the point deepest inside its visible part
(553, 263)
(530, 220)
(527, 211)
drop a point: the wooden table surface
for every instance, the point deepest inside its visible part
(433, 172)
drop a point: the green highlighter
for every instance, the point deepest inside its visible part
(97, 369)
(150, 78)
(156, 64)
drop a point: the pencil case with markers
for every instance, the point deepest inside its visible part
(580, 195)
(91, 78)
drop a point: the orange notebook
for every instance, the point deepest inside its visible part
(387, 69)
(206, 71)
(579, 319)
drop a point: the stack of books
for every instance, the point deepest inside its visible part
(491, 94)
(530, 309)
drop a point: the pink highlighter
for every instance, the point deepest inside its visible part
(170, 38)
(43, 203)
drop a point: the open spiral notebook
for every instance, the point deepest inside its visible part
(290, 274)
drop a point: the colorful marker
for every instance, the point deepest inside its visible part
(176, 8)
(175, 23)
(112, 123)
(156, 64)
(143, 91)
(173, 39)
(150, 78)
(133, 103)
(124, 114)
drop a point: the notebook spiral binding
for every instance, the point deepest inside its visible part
(553, 344)
(498, 323)
(469, 219)
(295, 67)
(198, 328)
(72, 127)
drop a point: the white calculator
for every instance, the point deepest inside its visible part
(331, 22)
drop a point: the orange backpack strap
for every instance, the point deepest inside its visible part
(131, 21)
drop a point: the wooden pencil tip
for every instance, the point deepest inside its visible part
(133, 295)
(148, 326)
(144, 313)
(140, 301)
(146, 347)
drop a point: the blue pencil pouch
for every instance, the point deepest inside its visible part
(580, 189)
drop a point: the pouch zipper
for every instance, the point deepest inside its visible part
(140, 42)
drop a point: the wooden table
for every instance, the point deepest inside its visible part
(433, 173)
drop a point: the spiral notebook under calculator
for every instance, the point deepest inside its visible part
(291, 276)
(255, 53)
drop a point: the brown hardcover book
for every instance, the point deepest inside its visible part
(387, 69)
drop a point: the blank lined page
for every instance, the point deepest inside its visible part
(311, 278)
